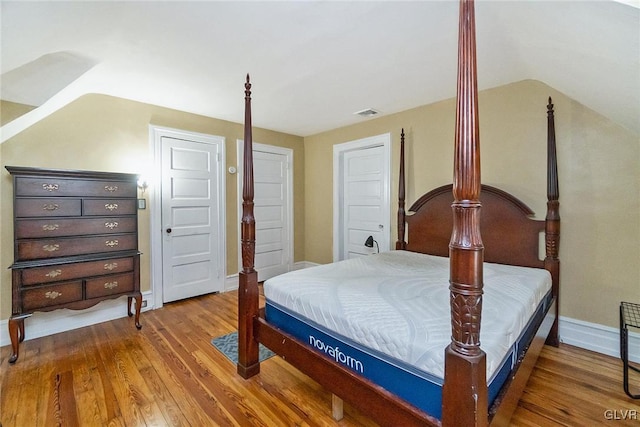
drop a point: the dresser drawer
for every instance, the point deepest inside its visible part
(47, 296)
(31, 208)
(65, 246)
(92, 207)
(109, 285)
(54, 186)
(63, 272)
(32, 228)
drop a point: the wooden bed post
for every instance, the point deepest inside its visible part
(248, 364)
(464, 395)
(552, 220)
(401, 243)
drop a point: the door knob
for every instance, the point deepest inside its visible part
(168, 230)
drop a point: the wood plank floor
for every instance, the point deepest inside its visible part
(168, 374)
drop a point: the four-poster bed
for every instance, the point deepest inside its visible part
(485, 252)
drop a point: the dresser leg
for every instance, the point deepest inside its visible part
(138, 310)
(138, 299)
(21, 330)
(16, 333)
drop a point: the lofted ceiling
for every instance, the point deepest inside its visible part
(313, 64)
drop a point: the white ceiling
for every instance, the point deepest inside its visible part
(312, 63)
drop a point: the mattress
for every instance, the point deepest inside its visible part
(386, 316)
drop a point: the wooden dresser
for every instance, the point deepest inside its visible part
(75, 243)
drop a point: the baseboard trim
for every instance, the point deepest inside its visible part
(232, 283)
(598, 338)
(304, 264)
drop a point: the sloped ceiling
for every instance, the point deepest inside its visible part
(313, 64)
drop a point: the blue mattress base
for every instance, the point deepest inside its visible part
(421, 389)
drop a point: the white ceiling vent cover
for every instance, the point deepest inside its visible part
(369, 112)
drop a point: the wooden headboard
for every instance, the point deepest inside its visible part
(509, 233)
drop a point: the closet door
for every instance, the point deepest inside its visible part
(361, 195)
(273, 200)
(191, 218)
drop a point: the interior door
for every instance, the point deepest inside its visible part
(363, 193)
(273, 200)
(192, 216)
(272, 248)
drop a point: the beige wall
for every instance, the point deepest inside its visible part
(599, 182)
(103, 133)
(12, 110)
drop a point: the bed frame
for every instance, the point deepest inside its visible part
(505, 224)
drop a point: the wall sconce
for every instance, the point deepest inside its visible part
(142, 184)
(370, 241)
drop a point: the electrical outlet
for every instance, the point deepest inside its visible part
(144, 303)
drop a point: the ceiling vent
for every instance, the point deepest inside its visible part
(369, 112)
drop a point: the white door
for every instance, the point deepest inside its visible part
(273, 208)
(362, 196)
(192, 218)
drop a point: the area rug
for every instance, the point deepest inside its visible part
(228, 345)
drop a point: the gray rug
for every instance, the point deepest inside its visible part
(228, 345)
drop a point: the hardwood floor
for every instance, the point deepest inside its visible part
(169, 374)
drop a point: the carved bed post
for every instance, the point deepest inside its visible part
(248, 364)
(464, 394)
(552, 224)
(401, 243)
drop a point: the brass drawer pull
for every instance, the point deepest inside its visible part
(50, 187)
(111, 266)
(50, 227)
(51, 248)
(50, 207)
(111, 243)
(111, 206)
(54, 273)
(111, 188)
(111, 285)
(52, 294)
(111, 225)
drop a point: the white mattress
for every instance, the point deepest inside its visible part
(397, 303)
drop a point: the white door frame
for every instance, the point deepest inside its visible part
(339, 150)
(288, 153)
(156, 230)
